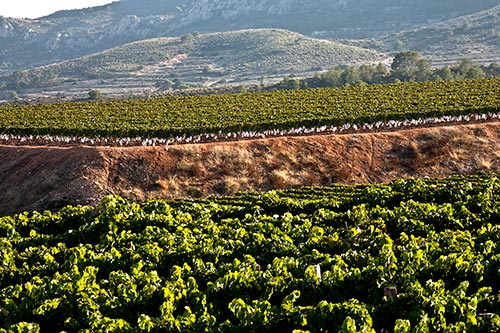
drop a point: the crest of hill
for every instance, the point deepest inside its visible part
(475, 36)
(337, 16)
(255, 52)
(71, 34)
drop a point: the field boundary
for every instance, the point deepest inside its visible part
(348, 128)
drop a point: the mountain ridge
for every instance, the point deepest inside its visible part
(200, 60)
(475, 36)
(71, 34)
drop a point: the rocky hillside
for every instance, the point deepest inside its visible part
(70, 34)
(475, 36)
(200, 60)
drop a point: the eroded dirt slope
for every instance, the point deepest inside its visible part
(38, 178)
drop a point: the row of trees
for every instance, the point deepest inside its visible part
(407, 66)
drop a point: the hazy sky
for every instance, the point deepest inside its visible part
(38, 8)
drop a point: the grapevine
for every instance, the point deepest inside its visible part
(214, 117)
(308, 259)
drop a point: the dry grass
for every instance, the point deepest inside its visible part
(469, 142)
(184, 165)
(484, 163)
(162, 184)
(283, 178)
(236, 184)
(455, 154)
(232, 185)
(279, 179)
(170, 187)
(307, 159)
(231, 161)
(342, 174)
(194, 168)
(227, 168)
(309, 178)
(216, 156)
(197, 169)
(134, 194)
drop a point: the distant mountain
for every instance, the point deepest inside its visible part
(70, 34)
(475, 36)
(196, 60)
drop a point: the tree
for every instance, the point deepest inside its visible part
(424, 70)
(187, 38)
(94, 94)
(444, 73)
(409, 66)
(164, 84)
(290, 83)
(493, 70)
(19, 80)
(475, 72)
(241, 89)
(332, 78)
(381, 74)
(463, 68)
(467, 69)
(178, 84)
(366, 73)
(14, 96)
(350, 76)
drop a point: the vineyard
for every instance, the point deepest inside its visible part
(214, 116)
(408, 256)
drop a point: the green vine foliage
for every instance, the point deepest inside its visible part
(302, 260)
(278, 110)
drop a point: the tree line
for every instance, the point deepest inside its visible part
(407, 66)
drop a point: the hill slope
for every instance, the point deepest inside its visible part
(475, 36)
(70, 34)
(197, 59)
(50, 177)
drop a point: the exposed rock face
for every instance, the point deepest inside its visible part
(15, 28)
(6, 28)
(230, 9)
(143, 27)
(71, 34)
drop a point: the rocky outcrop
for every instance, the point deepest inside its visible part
(16, 28)
(6, 28)
(71, 34)
(133, 26)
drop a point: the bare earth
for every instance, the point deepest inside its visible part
(39, 178)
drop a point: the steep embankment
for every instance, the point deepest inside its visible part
(48, 178)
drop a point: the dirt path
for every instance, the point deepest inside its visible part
(37, 178)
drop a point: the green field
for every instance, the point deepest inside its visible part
(168, 117)
(311, 259)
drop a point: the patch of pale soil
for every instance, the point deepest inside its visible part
(38, 178)
(171, 63)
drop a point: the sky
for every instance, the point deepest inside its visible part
(38, 8)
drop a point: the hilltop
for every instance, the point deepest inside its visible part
(71, 34)
(475, 36)
(199, 60)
